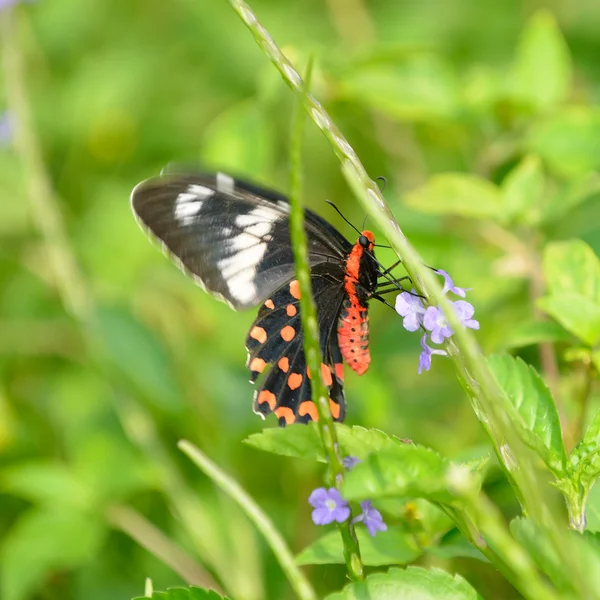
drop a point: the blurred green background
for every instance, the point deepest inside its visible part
(92, 488)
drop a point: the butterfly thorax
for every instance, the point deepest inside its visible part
(360, 280)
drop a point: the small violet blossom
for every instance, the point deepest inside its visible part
(425, 356)
(6, 124)
(435, 321)
(350, 462)
(465, 311)
(411, 308)
(8, 3)
(329, 506)
(449, 284)
(371, 517)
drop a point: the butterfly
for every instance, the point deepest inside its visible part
(233, 239)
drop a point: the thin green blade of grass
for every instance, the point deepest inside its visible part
(263, 523)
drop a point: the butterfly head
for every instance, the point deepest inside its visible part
(367, 240)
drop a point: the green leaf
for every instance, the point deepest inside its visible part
(455, 545)
(522, 191)
(412, 583)
(535, 405)
(572, 266)
(535, 332)
(457, 194)
(191, 593)
(568, 142)
(138, 355)
(42, 542)
(49, 483)
(304, 442)
(584, 460)
(533, 540)
(401, 470)
(542, 71)
(576, 313)
(421, 88)
(392, 547)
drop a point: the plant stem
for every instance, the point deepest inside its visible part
(310, 328)
(263, 523)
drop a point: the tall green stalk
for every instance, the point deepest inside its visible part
(310, 328)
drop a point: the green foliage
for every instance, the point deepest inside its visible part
(489, 138)
(413, 583)
(395, 546)
(191, 593)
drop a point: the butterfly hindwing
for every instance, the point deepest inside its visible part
(274, 344)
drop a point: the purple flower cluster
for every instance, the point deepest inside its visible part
(8, 3)
(330, 506)
(432, 320)
(6, 125)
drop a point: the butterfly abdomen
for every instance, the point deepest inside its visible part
(353, 321)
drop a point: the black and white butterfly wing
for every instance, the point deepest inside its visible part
(234, 239)
(231, 236)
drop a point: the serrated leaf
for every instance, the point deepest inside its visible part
(191, 593)
(304, 442)
(535, 405)
(522, 191)
(457, 194)
(412, 583)
(572, 266)
(584, 460)
(542, 71)
(392, 547)
(535, 332)
(576, 313)
(42, 542)
(402, 470)
(568, 142)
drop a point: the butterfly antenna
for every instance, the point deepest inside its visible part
(383, 181)
(339, 212)
(365, 222)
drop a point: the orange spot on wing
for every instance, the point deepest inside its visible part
(287, 333)
(295, 381)
(326, 374)
(308, 407)
(259, 334)
(269, 304)
(339, 371)
(284, 364)
(295, 289)
(308, 372)
(286, 413)
(268, 397)
(335, 409)
(258, 364)
(290, 309)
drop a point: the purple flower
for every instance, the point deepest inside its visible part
(350, 462)
(371, 517)
(329, 506)
(6, 124)
(411, 308)
(8, 3)
(435, 321)
(449, 284)
(425, 356)
(465, 311)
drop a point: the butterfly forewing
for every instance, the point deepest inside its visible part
(231, 236)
